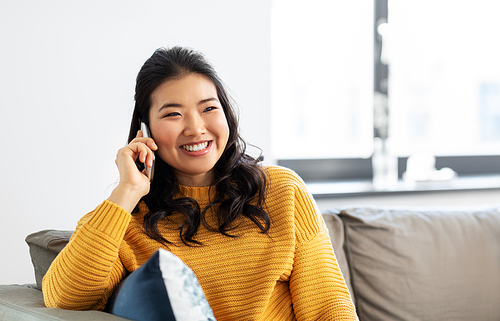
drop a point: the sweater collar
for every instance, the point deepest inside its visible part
(200, 194)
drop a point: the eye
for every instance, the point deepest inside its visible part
(172, 114)
(210, 108)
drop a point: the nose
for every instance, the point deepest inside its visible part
(194, 125)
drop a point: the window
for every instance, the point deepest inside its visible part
(444, 76)
(322, 60)
(443, 84)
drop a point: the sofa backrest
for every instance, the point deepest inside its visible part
(399, 264)
(423, 264)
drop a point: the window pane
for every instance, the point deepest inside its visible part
(322, 58)
(444, 76)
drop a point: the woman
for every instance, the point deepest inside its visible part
(251, 234)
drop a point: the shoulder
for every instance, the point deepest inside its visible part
(283, 183)
(278, 175)
(287, 194)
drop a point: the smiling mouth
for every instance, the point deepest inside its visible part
(196, 147)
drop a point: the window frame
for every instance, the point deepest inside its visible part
(360, 169)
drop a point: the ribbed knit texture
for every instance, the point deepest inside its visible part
(289, 274)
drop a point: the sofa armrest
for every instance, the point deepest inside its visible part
(44, 247)
(25, 302)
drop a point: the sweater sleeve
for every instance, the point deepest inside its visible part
(85, 272)
(317, 286)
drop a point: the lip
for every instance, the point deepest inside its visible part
(200, 152)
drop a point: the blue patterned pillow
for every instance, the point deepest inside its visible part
(164, 288)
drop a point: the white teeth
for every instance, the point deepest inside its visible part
(195, 148)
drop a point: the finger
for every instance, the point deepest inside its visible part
(145, 140)
(139, 133)
(135, 150)
(149, 156)
(151, 144)
(141, 151)
(150, 159)
(143, 155)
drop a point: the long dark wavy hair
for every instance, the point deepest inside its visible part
(240, 181)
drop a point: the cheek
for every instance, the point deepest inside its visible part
(165, 137)
(222, 128)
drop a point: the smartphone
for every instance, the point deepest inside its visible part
(149, 170)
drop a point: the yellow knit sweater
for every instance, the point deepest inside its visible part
(289, 274)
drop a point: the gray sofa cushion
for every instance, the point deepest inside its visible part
(424, 264)
(44, 247)
(18, 302)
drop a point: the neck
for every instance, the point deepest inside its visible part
(198, 180)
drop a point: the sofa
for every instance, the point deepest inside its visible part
(399, 264)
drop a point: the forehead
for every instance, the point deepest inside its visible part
(190, 88)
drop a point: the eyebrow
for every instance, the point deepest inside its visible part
(201, 102)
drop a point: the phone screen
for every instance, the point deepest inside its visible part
(149, 170)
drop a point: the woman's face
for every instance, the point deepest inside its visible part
(189, 126)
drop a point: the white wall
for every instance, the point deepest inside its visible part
(67, 73)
